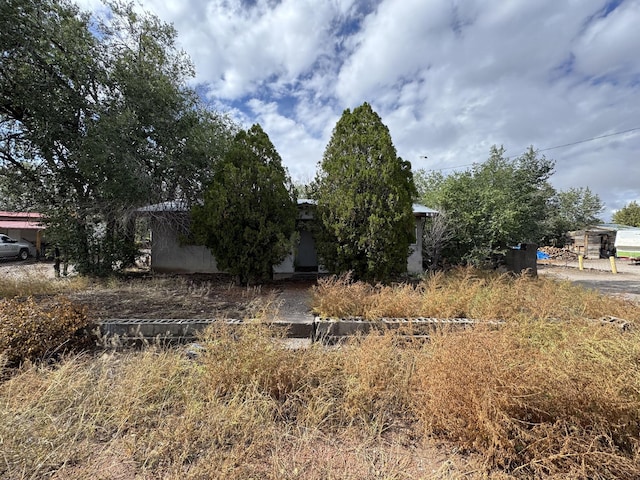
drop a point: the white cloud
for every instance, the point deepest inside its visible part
(610, 45)
(449, 77)
(298, 149)
(239, 49)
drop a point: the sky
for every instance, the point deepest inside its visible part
(449, 78)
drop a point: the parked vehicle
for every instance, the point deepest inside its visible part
(628, 243)
(10, 248)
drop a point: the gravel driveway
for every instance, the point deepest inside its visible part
(597, 275)
(28, 269)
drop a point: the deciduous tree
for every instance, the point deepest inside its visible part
(95, 121)
(493, 205)
(628, 215)
(571, 210)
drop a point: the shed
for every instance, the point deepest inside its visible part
(596, 241)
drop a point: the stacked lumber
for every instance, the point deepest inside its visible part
(557, 253)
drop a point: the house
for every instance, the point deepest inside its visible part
(169, 224)
(23, 226)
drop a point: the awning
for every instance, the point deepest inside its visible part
(20, 225)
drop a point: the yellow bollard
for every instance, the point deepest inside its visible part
(581, 262)
(614, 269)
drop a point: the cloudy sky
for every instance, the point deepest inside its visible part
(449, 78)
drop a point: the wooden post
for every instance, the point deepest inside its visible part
(38, 243)
(612, 259)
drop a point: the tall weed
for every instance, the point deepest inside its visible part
(32, 331)
(470, 293)
(535, 399)
(539, 398)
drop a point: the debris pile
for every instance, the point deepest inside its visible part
(557, 253)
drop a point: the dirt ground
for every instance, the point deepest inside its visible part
(205, 296)
(597, 275)
(146, 296)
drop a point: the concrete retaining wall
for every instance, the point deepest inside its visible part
(316, 329)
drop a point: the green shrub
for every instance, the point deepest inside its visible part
(32, 331)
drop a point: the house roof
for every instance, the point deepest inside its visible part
(20, 214)
(422, 211)
(20, 221)
(600, 229)
(20, 225)
(615, 226)
(181, 206)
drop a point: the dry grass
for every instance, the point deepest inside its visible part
(468, 293)
(543, 399)
(547, 395)
(533, 399)
(30, 283)
(241, 410)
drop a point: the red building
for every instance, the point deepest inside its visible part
(23, 226)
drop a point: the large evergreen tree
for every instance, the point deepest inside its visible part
(95, 121)
(364, 193)
(249, 213)
(628, 215)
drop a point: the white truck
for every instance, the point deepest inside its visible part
(10, 248)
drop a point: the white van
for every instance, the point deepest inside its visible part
(628, 243)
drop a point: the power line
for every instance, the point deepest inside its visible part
(550, 148)
(589, 139)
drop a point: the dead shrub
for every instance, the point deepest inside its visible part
(32, 331)
(470, 293)
(536, 398)
(376, 381)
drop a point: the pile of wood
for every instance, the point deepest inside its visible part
(557, 253)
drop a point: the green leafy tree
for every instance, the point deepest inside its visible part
(628, 215)
(95, 121)
(493, 205)
(571, 210)
(364, 193)
(249, 212)
(306, 189)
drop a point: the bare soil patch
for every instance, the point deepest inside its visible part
(194, 297)
(597, 275)
(143, 295)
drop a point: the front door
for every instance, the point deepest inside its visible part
(306, 256)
